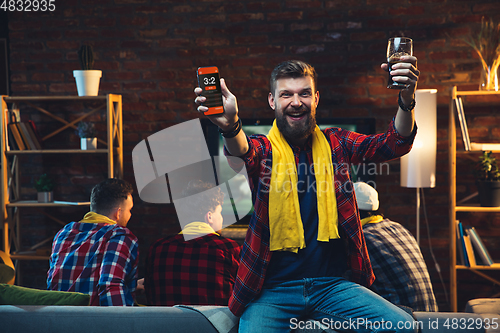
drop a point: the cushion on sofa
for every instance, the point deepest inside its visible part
(483, 305)
(16, 295)
(489, 310)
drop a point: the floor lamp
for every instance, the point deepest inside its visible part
(418, 167)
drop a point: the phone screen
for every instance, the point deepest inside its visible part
(209, 81)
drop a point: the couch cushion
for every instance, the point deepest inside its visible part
(436, 322)
(16, 295)
(483, 305)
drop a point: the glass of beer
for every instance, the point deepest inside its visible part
(396, 48)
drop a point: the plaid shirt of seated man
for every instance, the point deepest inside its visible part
(401, 274)
(196, 266)
(99, 254)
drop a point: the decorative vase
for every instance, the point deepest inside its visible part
(88, 143)
(87, 82)
(489, 76)
(45, 196)
(489, 193)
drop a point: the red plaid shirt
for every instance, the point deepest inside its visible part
(200, 271)
(347, 148)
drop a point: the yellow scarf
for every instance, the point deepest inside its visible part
(92, 217)
(197, 228)
(285, 222)
(372, 219)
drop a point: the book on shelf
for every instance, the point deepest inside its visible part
(469, 250)
(17, 136)
(37, 139)
(461, 245)
(25, 136)
(28, 143)
(480, 249)
(470, 146)
(11, 141)
(31, 137)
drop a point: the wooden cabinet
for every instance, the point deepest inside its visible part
(112, 156)
(454, 208)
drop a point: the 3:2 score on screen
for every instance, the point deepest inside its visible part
(209, 80)
(28, 5)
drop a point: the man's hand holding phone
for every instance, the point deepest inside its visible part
(207, 99)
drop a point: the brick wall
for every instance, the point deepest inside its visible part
(149, 51)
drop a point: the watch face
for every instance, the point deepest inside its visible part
(209, 81)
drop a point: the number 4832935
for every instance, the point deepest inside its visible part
(28, 5)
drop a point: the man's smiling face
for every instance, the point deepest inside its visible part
(294, 102)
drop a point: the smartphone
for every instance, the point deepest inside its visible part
(209, 81)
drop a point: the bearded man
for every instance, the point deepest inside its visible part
(304, 255)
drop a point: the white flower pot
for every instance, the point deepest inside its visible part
(45, 196)
(87, 82)
(88, 143)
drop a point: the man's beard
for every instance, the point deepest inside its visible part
(292, 134)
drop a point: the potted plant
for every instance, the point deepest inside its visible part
(87, 79)
(45, 186)
(87, 133)
(488, 180)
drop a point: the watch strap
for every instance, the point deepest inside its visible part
(403, 106)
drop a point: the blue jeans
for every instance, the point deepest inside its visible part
(336, 303)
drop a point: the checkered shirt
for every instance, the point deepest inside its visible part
(347, 148)
(97, 259)
(200, 271)
(401, 274)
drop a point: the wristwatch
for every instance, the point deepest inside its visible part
(403, 106)
(232, 132)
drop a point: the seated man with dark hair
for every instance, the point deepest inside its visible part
(196, 266)
(98, 255)
(401, 276)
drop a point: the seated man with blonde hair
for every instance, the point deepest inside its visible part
(196, 266)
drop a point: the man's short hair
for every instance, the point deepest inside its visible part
(197, 206)
(109, 194)
(292, 69)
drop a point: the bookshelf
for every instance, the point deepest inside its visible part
(454, 207)
(11, 169)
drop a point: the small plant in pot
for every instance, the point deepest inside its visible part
(87, 133)
(488, 180)
(45, 186)
(87, 79)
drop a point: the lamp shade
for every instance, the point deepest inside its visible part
(418, 167)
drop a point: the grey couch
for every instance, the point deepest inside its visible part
(178, 319)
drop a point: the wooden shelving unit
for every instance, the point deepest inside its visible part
(10, 168)
(454, 208)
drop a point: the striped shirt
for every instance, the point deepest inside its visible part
(97, 259)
